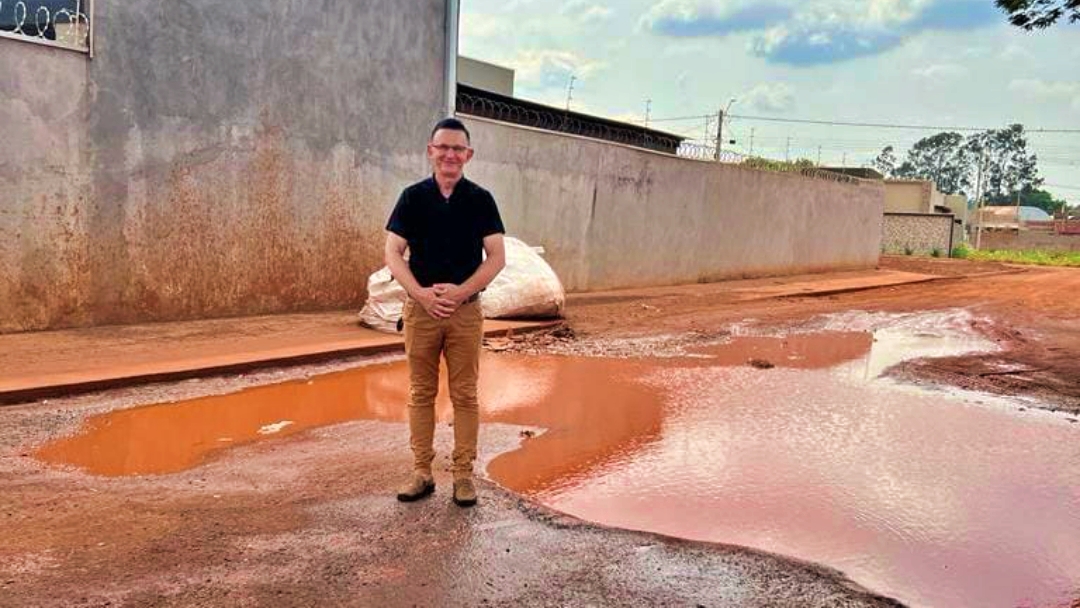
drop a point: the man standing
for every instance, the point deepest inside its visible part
(445, 221)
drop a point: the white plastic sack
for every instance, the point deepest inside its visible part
(386, 300)
(526, 288)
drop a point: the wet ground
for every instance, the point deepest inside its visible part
(789, 443)
(939, 497)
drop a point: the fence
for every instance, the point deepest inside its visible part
(484, 104)
(59, 23)
(506, 109)
(1054, 226)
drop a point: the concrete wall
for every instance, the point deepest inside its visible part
(909, 196)
(958, 203)
(485, 76)
(919, 233)
(613, 216)
(1025, 240)
(212, 159)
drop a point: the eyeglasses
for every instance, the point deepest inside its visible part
(445, 148)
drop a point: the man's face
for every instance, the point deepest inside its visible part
(448, 152)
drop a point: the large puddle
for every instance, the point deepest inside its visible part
(937, 498)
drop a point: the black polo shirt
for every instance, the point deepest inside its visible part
(446, 236)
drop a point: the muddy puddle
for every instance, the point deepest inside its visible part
(935, 497)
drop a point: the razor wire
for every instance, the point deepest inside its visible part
(64, 23)
(566, 122)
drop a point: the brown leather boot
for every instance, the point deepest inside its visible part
(464, 492)
(418, 486)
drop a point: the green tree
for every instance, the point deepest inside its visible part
(1006, 164)
(941, 158)
(1039, 14)
(885, 163)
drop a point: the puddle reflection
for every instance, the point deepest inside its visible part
(922, 496)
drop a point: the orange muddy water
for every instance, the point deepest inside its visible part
(935, 497)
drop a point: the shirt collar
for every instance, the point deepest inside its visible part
(434, 185)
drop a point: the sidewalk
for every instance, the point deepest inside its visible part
(37, 365)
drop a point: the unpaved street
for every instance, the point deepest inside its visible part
(311, 520)
(1035, 316)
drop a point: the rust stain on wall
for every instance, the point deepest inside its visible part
(51, 265)
(261, 231)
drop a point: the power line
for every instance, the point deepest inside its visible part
(1063, 187)
(882, 125)
(875, 125)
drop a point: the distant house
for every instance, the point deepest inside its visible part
(919, 219)
(1005, 217)
(913, 196)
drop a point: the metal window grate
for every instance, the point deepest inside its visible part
(64, 24)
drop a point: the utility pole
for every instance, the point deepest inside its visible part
(719, 133)
(720, 127)
(1017, 210)
(787, 154)
(819, 156)
(978, 201)
(570, 92)
(648, 107)
(843, 163)
(751, 141)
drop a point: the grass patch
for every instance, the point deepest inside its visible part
(1040, 258)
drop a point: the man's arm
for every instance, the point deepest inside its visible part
(431, 298)
(490, 268)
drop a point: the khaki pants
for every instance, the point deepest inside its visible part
(458, 339)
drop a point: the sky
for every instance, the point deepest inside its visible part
(941, 63)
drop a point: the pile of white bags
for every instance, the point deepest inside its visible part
(526, 288)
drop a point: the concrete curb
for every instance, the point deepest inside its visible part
(319, 354)
(934, 279)
(183, 371)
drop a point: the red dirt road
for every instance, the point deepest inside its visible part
(1034, 315)
(311, 520)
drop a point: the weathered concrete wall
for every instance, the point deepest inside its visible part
(1029, 240)
(612, 216)
(919, 233)
(212, 159)
(908, 196)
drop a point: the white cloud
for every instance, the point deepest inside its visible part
(1046, 91)
(482, 25)
(551, 68)
(774, 98)
(586, 11)
(1016, 52)
(816, 32)
(687, 18)
(1041, 89)
(940, 71)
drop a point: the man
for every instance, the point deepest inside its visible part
(445, 221)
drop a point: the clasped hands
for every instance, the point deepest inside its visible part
(441, 300)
